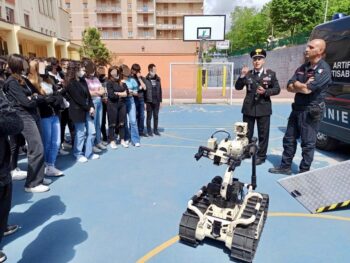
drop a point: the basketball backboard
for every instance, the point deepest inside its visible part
(208, 27)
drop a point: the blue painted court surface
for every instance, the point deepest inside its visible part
(121, 207)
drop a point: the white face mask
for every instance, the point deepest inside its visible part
(81, 73)
(152, 74)
(115, 76)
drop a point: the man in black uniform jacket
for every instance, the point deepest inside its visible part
(260, 84)
(309, 83)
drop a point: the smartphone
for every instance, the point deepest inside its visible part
(42, 67)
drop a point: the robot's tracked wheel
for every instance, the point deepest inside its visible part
(244, 243)
(189, 221)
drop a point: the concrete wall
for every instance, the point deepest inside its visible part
(283, 61)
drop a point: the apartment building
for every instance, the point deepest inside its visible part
(132, 19)
(36, 28)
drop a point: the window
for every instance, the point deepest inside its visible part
(26, 21)
(173, 21)
(129, 6)
(129, 33)
(85, 5)
(10, 15)
(114, 34)
(104, 34)
(67, 5)
(129, 19)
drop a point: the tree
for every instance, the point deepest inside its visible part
(336, 6)
(295, 15)
(249, 27)
(93, 48)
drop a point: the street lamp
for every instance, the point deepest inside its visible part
(325, 12)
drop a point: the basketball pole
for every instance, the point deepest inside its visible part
(224, 81)
(199, 73)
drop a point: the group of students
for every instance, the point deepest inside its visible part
(40, 97)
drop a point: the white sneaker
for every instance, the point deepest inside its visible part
(137, 144)
(37, 189)
(113, 145)
(124, 144)
(47, 181)
(96, 150)
(66, 146)
(52, 171)
(82, 159)
(17, 174)
(62, 152)
(94, 157)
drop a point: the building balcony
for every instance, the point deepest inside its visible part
(108, 24)
(180, 1)
(145, 10)
(108, 9)
(178, 13)
(145, 37)
(111, 37)
(169, 27)
(142, 24)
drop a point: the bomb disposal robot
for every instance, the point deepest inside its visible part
(223, 210)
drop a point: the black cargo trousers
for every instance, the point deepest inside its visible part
(300, 125)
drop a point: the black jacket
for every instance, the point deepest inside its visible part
(256, 105)
(50, 105)
(18, 97)
(153, 94)
(79, 99)
(10, 124)
(113, 86)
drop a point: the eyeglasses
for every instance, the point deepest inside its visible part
(257, 59)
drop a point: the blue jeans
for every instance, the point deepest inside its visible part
(133, 131)
(51, 136)
(85, 134)
(98, 118)
(140, 113)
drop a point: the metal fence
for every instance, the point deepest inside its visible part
(298, 39)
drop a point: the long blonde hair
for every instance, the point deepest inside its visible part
(34, 76)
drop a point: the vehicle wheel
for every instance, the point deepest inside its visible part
(324, 142)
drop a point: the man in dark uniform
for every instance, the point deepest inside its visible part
(309, 83)
(260, 84)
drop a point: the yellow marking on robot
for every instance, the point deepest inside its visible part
(158, 249)
(175, 239)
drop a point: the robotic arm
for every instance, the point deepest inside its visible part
(231, 153)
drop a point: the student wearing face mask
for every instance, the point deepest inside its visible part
(153, 99)
(96, 91)
(132, 86)
(82, 112)
(49, 110)
(139, 98)
(64, 119)
(116, 107)
(26, 101)
(103, 79)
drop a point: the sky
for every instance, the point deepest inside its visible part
(221, 7)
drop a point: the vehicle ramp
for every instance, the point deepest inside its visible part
(321, 190)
